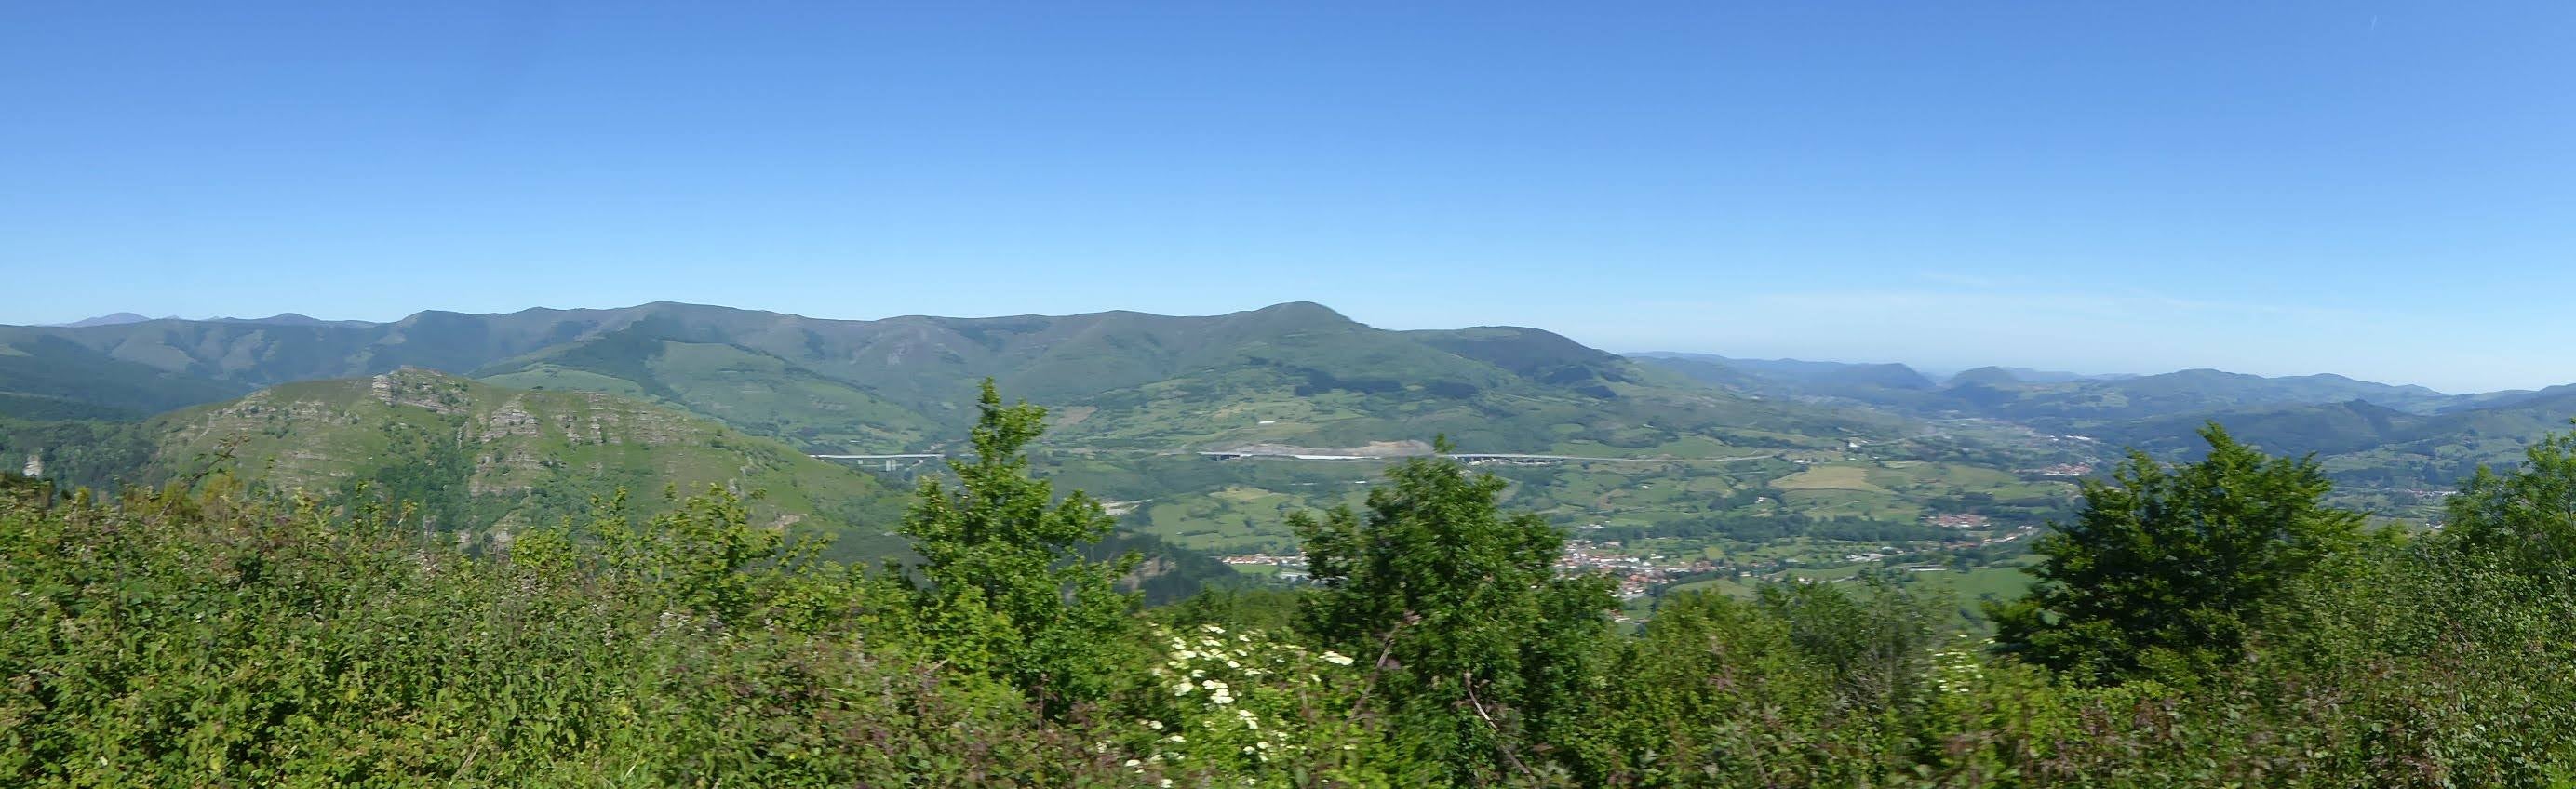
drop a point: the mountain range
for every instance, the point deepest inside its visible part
(2395, 447)
(465, 414)
(1134, 395)
(2019, 394)
(1294, 374)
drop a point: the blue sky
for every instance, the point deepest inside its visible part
(2386, 190)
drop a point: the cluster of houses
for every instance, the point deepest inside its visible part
(1636, 575)
(1639, 575)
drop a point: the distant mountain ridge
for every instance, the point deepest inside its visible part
(2394, 448)
(294, 319)
(1295, 373)
(110, 319)
(2019, 394)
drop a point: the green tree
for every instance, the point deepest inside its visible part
(1009, 593)
(2166, 570)
(1875, 644)
(2526, 518)
(1786, 690)
(1480, 647)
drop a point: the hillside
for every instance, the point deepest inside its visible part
(1677, 466)
(1291, 374)
(1880, 385)
(488, 461)
(2394, 461)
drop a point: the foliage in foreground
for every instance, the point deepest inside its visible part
(213, 637)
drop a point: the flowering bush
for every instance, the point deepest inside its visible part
(1258, 709)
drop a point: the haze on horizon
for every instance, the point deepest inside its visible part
(2375, 190)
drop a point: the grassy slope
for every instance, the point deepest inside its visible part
(483, 454)
(756, 392)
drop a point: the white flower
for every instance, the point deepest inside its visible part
(1177, 738)
(1232, 664)
(1155, 725)
(1134, 763)
(1183, 689)
(1166, 784)
(1221, 698)
(1337, 658)
(1197, 673)
(1213, 629)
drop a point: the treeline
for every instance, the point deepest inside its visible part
(2207, 624)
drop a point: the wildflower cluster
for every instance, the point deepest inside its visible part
(1957, 669)
(1244, 703)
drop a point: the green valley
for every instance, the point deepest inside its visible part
(1698, 466)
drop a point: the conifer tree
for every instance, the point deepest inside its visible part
(2166, 570)
(1008, 592)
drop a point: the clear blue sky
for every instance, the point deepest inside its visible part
(2386, 190)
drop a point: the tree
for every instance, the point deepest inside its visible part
(2526, 518)
(1874, 645)
(1478, 643)
(2165, 571)
(1008, 591)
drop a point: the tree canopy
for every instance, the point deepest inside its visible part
(1459, 606)
(1009, 592)
(2167, 569)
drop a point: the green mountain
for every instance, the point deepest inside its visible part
(109, 319)
(2187, 391)
(2055, 400)
(1679, 469)
(487, 461)
(2370, 447)
(1295, 374)
(45, 376)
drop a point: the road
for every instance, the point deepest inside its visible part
(1465, 456)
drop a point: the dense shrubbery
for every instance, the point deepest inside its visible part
(218, 637)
